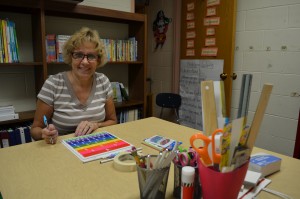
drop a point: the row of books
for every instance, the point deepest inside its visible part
(116, 50)
(8, 113)
(9, 51)
(120, 93)
(121, 50)
(128, 115)
(15, 136)
(54, 47)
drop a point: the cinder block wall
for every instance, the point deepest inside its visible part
(268, 46)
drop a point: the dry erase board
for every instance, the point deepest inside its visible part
(192, 72)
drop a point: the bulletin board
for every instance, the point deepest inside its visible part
(208, 32)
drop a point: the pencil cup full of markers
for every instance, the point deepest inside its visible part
(153, 177)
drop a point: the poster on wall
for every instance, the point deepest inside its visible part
(192, 72)
(160, 27)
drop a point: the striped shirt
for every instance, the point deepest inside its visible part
(58, 92)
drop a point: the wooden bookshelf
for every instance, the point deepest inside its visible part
(39, 10)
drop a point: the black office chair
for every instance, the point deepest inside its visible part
(169, 100)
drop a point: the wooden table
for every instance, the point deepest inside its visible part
(39, 171)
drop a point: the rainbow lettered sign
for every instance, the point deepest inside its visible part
(95, 146)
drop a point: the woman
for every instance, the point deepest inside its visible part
(79, 100)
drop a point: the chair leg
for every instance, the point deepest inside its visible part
(177, 115)
(161, 112)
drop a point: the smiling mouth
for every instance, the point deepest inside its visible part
(84, 70)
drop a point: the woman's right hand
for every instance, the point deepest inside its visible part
(50, 134)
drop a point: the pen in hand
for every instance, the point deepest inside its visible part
(47, 126)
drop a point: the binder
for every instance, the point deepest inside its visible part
(4, 138)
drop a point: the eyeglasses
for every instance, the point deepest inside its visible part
(80, 56)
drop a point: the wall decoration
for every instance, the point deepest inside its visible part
(160, 28)
(190, 43)
(190, 52)
(190, 34)
(209, 52)
(211, 21)
(190, 16)
(190, 24)
(210, 31)
(210, 41)
(212, 2)
(190, 6)
(211, 11)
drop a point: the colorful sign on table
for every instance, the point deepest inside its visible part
(95, 146)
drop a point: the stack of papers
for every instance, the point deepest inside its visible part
(8, 113)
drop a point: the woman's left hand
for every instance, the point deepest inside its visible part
(85, 127)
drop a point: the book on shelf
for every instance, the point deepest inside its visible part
(60, 42)
(128, 115)
(124, 92)
(117, 96)
(4, 138)
(8, 42)
(1, 43)
(121, 50)
(15, 136)
(51, 47)
(13, 41)
(5, 50)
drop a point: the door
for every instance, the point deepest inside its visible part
(208, 32)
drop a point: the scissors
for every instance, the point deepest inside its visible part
(186, 158)
(215, 158)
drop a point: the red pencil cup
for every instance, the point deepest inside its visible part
(217, 185)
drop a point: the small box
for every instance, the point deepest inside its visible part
(265, 164)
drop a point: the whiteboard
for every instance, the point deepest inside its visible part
(192, 72)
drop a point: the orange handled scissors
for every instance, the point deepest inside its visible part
(203, 151)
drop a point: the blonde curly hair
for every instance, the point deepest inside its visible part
(78, 38)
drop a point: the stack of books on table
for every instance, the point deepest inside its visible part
(8, 113)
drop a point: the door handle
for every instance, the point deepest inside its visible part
(233, 76)
(223, 76)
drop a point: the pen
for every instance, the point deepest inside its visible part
(45, 121)
(47, 125)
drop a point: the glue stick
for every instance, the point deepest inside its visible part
(187, 182)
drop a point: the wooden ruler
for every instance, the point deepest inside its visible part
(259, 114)
(209, 112)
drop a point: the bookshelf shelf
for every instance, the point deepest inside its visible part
(110, 62)
(22, 64)
(39, 12)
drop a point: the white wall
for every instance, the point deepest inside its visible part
(268, 46)
(121, 5)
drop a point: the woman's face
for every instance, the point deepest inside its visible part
(85, 60)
